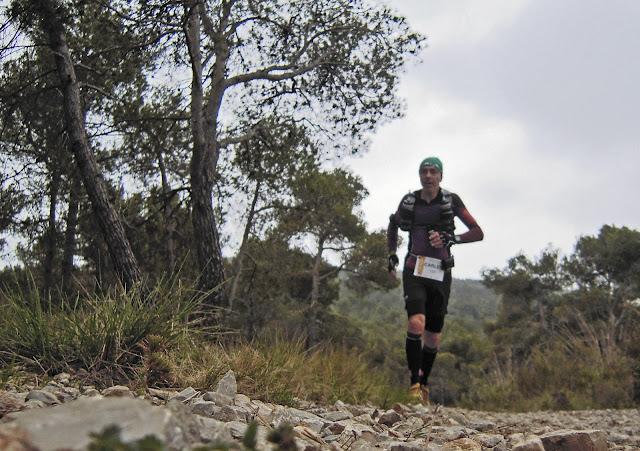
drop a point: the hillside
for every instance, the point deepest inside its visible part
(470, 301)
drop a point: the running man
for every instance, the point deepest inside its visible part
(428, 215)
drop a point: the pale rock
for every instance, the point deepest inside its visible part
(389, 418)
(10, 402)
(241, 400)
(533, 444)
(308, 434)
(331, 438)
(481, 426)
(229, 413)
(34, 404)
(69, 425)
(165, 395)
(406, 446)
(237, 429)
(336, 428)
(462, 444)
(519, 437)
(459, 417)
(571, 440)
(295, 417)
(409, 426)
(117, 391)
(365, 418)
(618, 438)
(89, 390)
(63, 394)
(227, 385)
(214, 431)
(205, 408)
(450, 433)
(488, 440)
(339, 405)
(185, 395)
(15, 439)
(62, 378)
(362, 445)
(262, 409)
(185, 427)
(358, 431)
(42, 396)
(218, 398)
(336, 415)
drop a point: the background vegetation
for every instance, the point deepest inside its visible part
(139, 139)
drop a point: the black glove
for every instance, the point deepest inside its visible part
(449, 239)
(393, 262)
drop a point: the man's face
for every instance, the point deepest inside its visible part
(430, 177)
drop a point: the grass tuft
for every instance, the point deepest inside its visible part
(106, 332)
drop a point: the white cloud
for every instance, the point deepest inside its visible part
(449, 23)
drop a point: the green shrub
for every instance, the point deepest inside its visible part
(567, 374)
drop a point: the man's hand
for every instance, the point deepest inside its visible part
(441, 239)
(393, 262)
(435, 239)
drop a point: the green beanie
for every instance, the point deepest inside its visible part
(431, 161)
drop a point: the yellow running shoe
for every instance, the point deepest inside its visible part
(424, 393)
(415, 395)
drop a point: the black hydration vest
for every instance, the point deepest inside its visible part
(444, 224)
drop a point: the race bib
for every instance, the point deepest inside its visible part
(428, 267)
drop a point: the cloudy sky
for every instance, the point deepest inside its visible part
(533, 107)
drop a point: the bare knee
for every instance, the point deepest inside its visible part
(432, 339)
(416, 324)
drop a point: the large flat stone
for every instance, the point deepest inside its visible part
(570, 440)
(70, 425)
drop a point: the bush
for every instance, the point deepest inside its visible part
(567, 374)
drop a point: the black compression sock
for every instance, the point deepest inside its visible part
(428, 357)
(413, 346)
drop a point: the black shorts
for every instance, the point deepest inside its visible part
(428, 297)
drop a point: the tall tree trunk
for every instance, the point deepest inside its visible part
(315, 273)
(120, 250)
(51, 241)
(202, 166)
(245, 237)
(70, 234)
(169, 225)
(313, 320)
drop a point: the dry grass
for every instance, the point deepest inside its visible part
(282, 371)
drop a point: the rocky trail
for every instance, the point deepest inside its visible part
(61, 416)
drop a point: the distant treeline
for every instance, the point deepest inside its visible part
(546, 333)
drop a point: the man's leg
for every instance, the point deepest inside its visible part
(430, 347)
(413, 345)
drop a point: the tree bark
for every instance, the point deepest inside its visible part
(70, 234)
(313, 321)
(51, 242)
(169, 225)
(203, 161)
(111, 226)
(245, 237)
